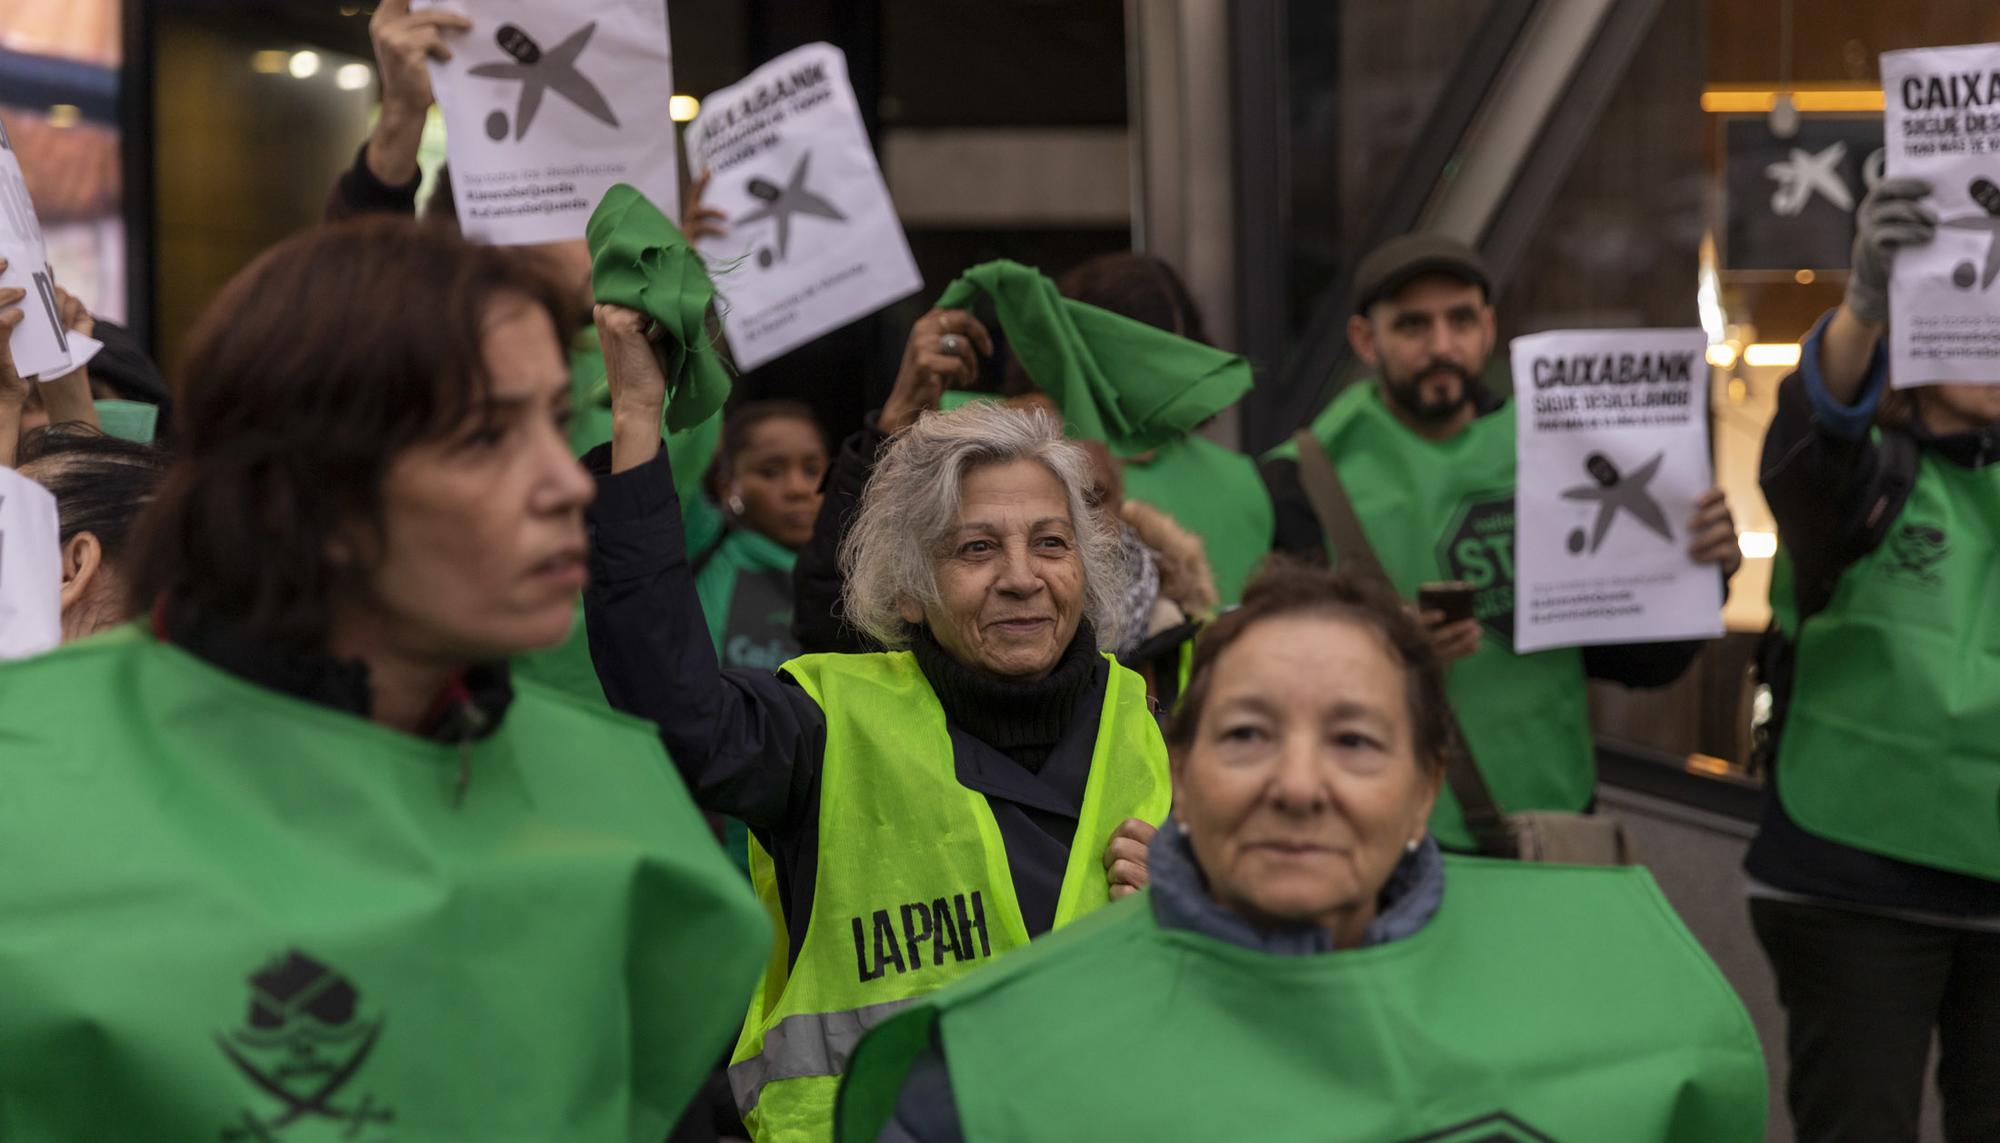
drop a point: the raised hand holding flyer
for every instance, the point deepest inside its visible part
(814, 241)
(1941, 123)
(1612, 453)
(40, 344)
(546, 105)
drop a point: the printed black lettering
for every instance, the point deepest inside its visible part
(861, 956)
(976, 921)
(946, 938)
(914, 937)
(886, 948)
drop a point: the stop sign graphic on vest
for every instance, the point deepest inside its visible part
(1478, 547)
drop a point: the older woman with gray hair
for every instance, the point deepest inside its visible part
(915, 812)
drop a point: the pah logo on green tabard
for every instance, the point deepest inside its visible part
(1915, 550)
(302, 1043)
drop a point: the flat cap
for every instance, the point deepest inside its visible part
(1403, 259)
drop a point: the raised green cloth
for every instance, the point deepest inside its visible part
(638, 259)
(1116, 380)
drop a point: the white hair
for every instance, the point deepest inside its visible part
(909, 512)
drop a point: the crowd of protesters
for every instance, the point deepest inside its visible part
(464, 731)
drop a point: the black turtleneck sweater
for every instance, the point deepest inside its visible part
(752, 744)
(1024, 721)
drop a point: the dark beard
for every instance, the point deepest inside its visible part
(1407, 393)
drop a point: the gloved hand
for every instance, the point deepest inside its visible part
(1890, 217)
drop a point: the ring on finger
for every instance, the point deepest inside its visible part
(950, 344)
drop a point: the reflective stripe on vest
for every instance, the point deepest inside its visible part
(912, 889)
(809, 1044)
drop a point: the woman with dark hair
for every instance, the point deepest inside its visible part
(766, 477)
(374, 882)
(100, 484)
(1307, 965)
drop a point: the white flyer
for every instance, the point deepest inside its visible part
(1612, 454)
(814, 241)
(83, 349)
(40, 344)
(1941, 122)
(30, 568)
(546, 104)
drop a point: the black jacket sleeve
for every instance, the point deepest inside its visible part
(816, 583)
(1818, 484)
(749, 744)
(357, 192)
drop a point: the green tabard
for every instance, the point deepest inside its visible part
(1542, 1004)
(236, 915)
(1892, 740)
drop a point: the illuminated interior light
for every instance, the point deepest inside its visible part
(270, 63)
(1760, 100)
(353, 77)
(1722, 354)
(1757, 545)
(303, 65)
(683, 108)
(1769, 353)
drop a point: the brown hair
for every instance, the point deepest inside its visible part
(312, 369)
(736, 431)
(1287, 589)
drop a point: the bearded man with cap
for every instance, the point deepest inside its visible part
(1426, 455)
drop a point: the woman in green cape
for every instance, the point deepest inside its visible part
(295, 857)
(1306, 965)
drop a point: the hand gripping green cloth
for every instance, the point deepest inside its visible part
(638, 259)
(1116, 380)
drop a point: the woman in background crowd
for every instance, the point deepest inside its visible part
(100, 484)
(766, 477)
